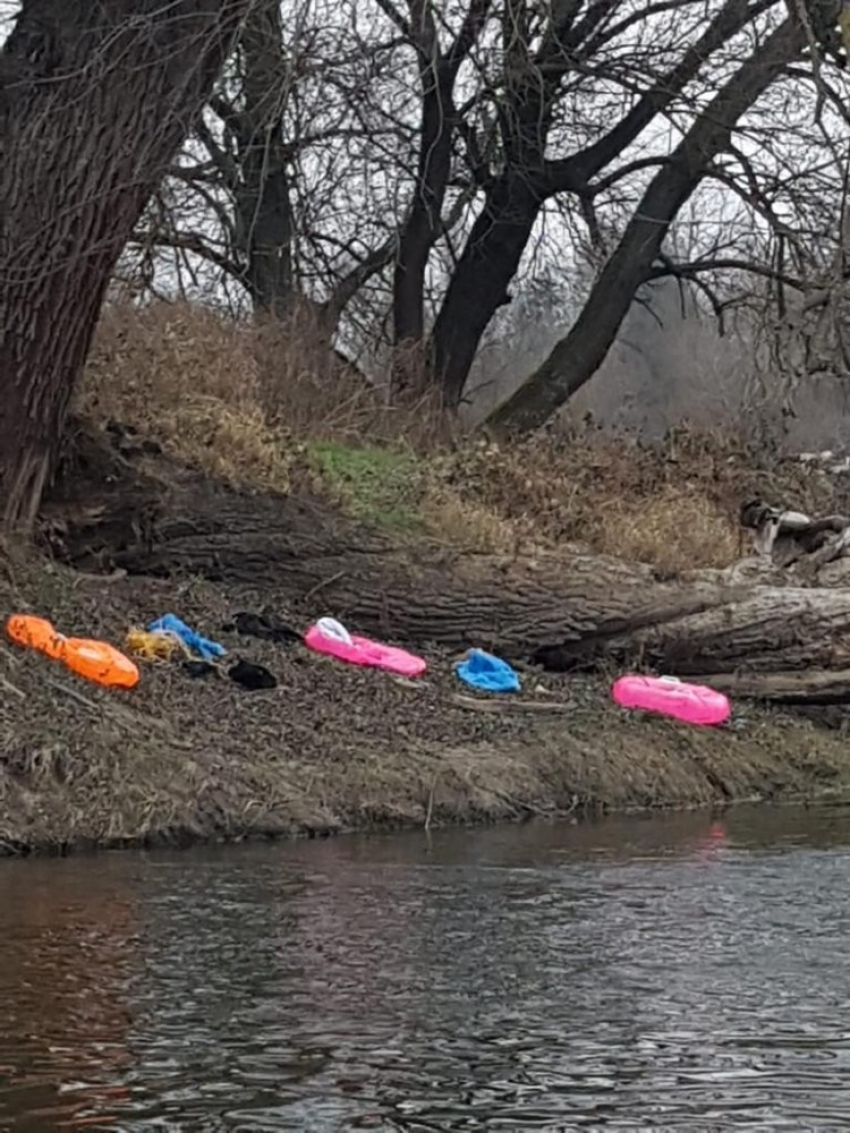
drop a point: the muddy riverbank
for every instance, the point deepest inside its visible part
(334, 748)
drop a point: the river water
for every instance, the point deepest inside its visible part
(662, 973)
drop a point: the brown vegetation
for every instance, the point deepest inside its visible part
(334, 747)
(245, 402)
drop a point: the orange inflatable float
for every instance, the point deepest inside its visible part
(96, 661)
(34, 633)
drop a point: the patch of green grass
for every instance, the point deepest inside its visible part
(379, 485)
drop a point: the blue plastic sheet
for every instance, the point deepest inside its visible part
(486, 672)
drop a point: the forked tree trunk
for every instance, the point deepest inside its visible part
(422, 225)
(94, 101)
(438, 72)
(576, 358)
(500, 235)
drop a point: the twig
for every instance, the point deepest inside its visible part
(130, 719)
(325, 582)
(82, 576)
(12, 688)
(506, 706)
(430, 809)
(72, 692)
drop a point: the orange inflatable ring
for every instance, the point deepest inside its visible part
(95, 661)
(100, 662)
(34, 633)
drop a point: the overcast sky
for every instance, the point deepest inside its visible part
(8, 9)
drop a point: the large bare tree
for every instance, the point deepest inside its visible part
(438, 66)
(575, 359)
(254, 198)
(528, 111)
(450, 155)
(547, 80)
(95, 99)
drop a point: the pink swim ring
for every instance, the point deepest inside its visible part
(329, 637)
(695, 704)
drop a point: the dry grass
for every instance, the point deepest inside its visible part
(190, 381)
(334, 747)
(673, 505)
(337, 747)
(236, 399)
(265, 405)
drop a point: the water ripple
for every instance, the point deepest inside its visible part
(650, 975)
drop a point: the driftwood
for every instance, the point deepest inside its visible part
(754, 629)
(510, 706)
(789, 537)
(562, 611)
(812, 686)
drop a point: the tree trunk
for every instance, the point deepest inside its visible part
(263, 204)
(95, 100)
(479, 283)
(422, 225)
(576, 358)
(811, 687)
(438, 71)
(491, 256)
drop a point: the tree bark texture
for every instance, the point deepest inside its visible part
(438, 72)
(95, 99)
(422, 225)
(479, 283)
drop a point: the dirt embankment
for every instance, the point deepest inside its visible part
(332, 747)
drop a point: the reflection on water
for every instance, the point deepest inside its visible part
(664, 973)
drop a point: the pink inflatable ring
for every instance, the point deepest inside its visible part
(329, 637)
(695, 704)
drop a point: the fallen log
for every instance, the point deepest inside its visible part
(812, 687)
(769, 629)
(562, 610)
